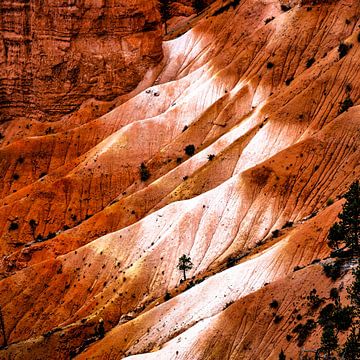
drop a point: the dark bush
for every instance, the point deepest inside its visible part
(144, 172)
(20, 160)
(288, 224)
(333, 271)
(314, 300)
(345, 105)
(289, 81)
(304, 330)
(285, 7)
(277, 319)
(310, 62)
(269, 65)
(343, 49)
(274, 304)
(167, 296)
(13, 226)
(189, 150)
(266, 21)
(276, 233)
(16, 176)
(211, 157)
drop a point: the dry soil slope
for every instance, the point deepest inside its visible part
(282, 150)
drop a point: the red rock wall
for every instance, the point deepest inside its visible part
(47, 66)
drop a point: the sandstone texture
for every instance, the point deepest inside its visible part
(259, 92)
(56, 54)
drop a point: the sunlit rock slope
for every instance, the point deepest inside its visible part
(271, 107)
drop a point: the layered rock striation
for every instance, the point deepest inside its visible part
(56, 54)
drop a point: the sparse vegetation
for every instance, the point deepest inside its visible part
(13, 226)
(184, 265)
(288, 224)
(274, 304)
(165, 13)
(314, 300)
(304, 330)
(346, 105)
(310, 62)
(144, 172)
(269, 65)
(289, 81)
(335, 318)
(346, 232)
(199, 6)
(2, 326)
(329, 201)
(343, 49)
(16, 176)
(276, 233)
(333, 270)
(285, 7)
(211, 157)
(189, 150)
(266, 21)
(282, 355)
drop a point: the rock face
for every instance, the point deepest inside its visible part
(56, 54)
(270, 107)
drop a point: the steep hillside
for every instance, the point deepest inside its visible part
(234, 148)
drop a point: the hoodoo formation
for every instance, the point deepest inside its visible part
(179, 179)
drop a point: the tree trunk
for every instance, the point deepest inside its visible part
(2, 325)
(184, 275)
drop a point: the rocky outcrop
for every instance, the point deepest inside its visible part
(56, 54)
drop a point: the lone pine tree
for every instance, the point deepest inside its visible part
(185, 264)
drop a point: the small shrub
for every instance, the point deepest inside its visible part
(288, 224)
(167, 296)
(343, 49)
(289, 81)
(304, 330)
(334, 294)
(285, 7)
(310, 62)
(13, 226)
(190, 150)
(266, 21)
(144, 172)
(274, 304)
(276, 233)
(16, 176)
(333, 271)
(2, 136)
(269, 65)
(49, 131)
(282, 355)
(358, 39)
(314, 300)
(211, 157)
(277, 319)
(329, 201)
(345, 105)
